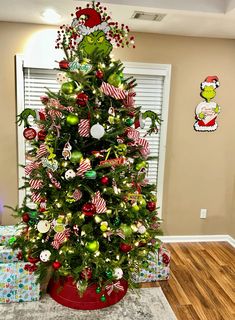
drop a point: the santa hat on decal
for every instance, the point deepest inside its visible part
(210, 81)
(90, 24)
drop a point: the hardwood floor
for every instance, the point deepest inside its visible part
(202, 281)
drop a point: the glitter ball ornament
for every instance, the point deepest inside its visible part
(151, 205)
(25, 217)
(68, 87)
(103, 298)
(88, 209)
(56, 265)
(99, 74)
(63, 64)
(97, 131)
(125, 247)
(82, 99)
(92, 246)
(76, 156)
(72, 119)
(42, 135)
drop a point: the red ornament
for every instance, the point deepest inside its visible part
(25, 217)
(42, 135)
(125, 247)
(86, 274)
(56, 265)
(29, 133)
(89, 209)
(104, 180)
(33, 260)
(82, 99)
(151, 205)
(30, 267)
(165, 259)
(99, 74)
(63, 64)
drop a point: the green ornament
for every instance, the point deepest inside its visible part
(116, 222)
(98, 290)
(114, 79)
(126, 230)
(140, 165)
(12, 240)
(72, 119)
(68, 87)
(129, 122)
(142, 202)
(33, 214)
(103, 298)
(90, 174)
(109, 274)
(135, 208)
(76, 156)
(92, 246)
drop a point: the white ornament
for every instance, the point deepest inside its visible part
(69, 174)
(142, 229)
(43, 226)
(45, 255)
(118, 273)
(61, 78)
(97, 131)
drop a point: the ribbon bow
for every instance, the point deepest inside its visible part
(117, 232)
(110, 287)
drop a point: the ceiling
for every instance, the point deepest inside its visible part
(206, 18)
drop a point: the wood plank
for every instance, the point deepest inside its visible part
(202, 281)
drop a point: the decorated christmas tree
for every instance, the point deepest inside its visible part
(93, 219)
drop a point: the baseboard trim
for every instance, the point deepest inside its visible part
(198, 238)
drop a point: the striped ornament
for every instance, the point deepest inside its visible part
(112, 91)
(85, 165)
(99, 202)
(35, 184)
(59, 238)
(55, 114)
(42, 151)
(30, 167)
(36, 197)
(53, 180)
(84, 128)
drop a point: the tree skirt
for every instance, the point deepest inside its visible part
(143, 304)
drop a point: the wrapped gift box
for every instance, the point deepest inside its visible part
(17, 284)
(6, 232)
(158, 267)
(8, 255)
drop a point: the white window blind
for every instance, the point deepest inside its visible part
(149, 94)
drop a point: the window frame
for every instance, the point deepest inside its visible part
(130, 67)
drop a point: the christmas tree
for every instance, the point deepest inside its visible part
(94, 216)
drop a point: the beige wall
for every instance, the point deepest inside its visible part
(200, 167)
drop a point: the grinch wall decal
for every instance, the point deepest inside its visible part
(207, 111)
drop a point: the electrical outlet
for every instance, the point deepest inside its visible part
(203, 213)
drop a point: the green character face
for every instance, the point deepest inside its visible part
(95, 41)
(208, 93)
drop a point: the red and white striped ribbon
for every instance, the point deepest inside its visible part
(36, 197)
(30, 167)
(53, 180)
(35, 184)
(42, 151)
(85, 165)
(99, 202)
(132, 134)
(59, 238)
(117, 285)
(112, 91)
(84, 128)
(135, 135)
(55, 114)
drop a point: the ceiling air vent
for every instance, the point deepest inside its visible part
(140, 15)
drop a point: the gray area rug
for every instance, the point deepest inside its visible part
(147, 304)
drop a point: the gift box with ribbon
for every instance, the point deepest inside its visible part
(17, 284)
(155, 268)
